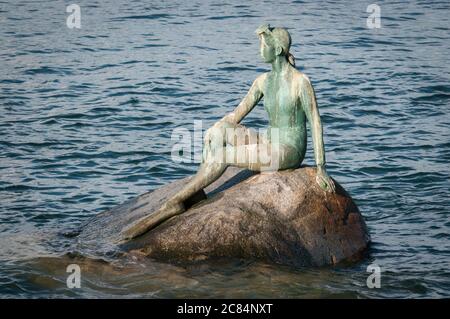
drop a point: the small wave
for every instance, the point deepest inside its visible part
(226, 17)
(49, 70)
(155, 16)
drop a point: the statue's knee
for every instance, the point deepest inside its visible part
(213, 155)
(214, 136)
(207, 137)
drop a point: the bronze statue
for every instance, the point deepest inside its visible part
(289, 100)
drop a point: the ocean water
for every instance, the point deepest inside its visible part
(86, 118)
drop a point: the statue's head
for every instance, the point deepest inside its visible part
(274, 42)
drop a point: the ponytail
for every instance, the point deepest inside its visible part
(291, 59)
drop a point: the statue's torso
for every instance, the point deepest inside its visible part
(283, 106)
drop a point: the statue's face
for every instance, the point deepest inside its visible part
(267, 51)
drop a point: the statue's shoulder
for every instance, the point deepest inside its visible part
(303, 82)
(262, 77)
(301, 77)
(261, 80)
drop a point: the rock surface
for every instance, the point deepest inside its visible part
(282, 217)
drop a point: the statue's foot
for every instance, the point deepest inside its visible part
(147, 223)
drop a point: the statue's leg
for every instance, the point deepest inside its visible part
(212, 167)
(206, 175)
(216, 158)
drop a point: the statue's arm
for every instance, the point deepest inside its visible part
(309, 104)
(252, 98)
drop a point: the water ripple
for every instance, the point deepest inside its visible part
(87, 116)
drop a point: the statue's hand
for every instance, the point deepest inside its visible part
(325, 181)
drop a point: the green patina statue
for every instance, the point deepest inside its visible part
(289, 100)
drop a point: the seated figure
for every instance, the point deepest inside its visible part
(289, 100)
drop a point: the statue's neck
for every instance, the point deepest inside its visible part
(280, 64)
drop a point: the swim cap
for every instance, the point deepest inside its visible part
(277, 36)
